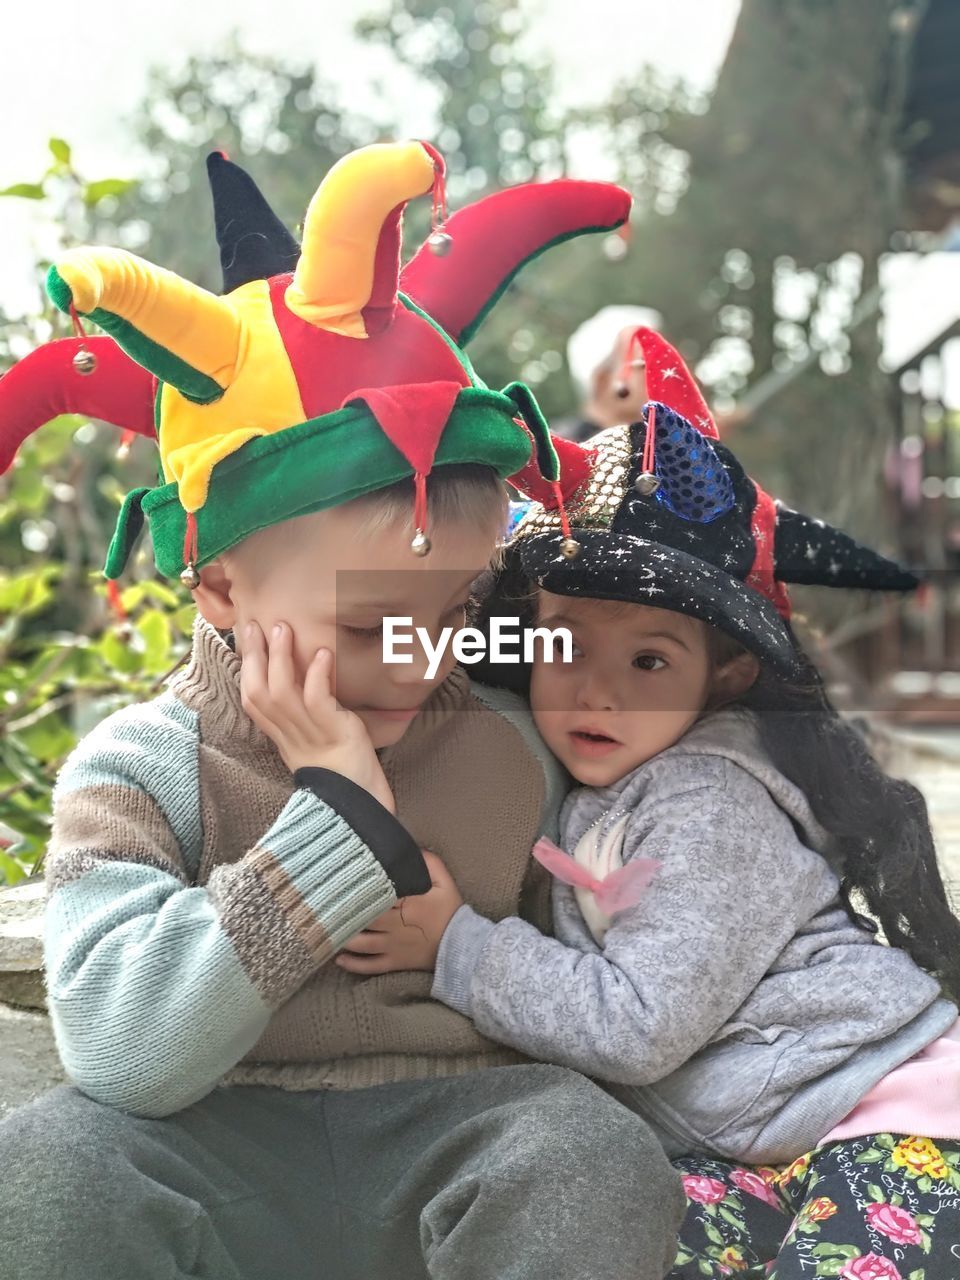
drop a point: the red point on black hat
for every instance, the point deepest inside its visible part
(668, 379)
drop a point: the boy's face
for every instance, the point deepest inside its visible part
(332, 576)
(639, 679)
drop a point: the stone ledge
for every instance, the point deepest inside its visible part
(21, 944)
(29, 1065)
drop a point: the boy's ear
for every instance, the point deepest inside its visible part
(214, 596)
(734, 678)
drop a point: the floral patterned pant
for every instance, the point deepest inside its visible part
(876, 1208)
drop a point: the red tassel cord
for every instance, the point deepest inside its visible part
(420, 546)
(439, 240)
(648, 462)
(420, 502)
(84, 361)
(78, 331)
(190, 552)
(116, 603)
(561, 509)
(438, 215)
(126, 440)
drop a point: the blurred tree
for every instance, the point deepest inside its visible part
(498, 122)
(771, 254)
(280, 122)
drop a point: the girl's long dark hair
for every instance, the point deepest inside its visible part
(882, 843)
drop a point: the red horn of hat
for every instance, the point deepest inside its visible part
(46, 383)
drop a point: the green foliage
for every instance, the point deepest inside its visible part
(60, 150)
(70, 183)
(25, 190)
(55, 685)
(97, 191)
(65, 659)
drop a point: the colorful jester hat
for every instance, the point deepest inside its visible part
(323, 372)
(660, 513)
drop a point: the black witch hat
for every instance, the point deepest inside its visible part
(254, 243)
(661, 513)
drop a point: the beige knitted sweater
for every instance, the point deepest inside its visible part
(197, 895)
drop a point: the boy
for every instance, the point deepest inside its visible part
(209, 853)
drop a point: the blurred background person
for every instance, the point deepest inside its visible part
(609, 394)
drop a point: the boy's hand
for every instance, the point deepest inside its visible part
(307, 724)
(408, 935)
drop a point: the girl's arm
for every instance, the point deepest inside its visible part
(730, 894)
(158, 985)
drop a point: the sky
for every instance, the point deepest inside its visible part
(78, 69)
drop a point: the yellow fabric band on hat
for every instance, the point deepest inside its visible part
(334, 276)
(197, 326)
(262, 398)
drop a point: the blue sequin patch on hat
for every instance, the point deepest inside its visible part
(516, 512)
(694, 483)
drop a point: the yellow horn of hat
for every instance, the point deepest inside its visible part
(338, 266)
(180, 332)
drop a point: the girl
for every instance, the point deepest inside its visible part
(738, 1001)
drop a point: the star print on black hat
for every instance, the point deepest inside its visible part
(661, 513)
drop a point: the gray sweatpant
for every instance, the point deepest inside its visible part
(513, 1173)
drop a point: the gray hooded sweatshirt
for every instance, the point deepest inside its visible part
(736, 1007)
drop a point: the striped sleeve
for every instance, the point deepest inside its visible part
(157, 986)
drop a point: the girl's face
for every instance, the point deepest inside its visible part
(639, 679)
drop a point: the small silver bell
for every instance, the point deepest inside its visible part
(420, 546)
(190, 577)
(439, 243)
(84, 361)
(646, 483)
(570, 548)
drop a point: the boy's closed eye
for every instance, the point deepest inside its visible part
(362, 633)
(375, 630)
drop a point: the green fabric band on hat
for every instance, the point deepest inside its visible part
(310, 467)
(532, 414)
(128, 529)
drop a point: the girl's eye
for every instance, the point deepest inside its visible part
(648, 662)
(558, 648)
